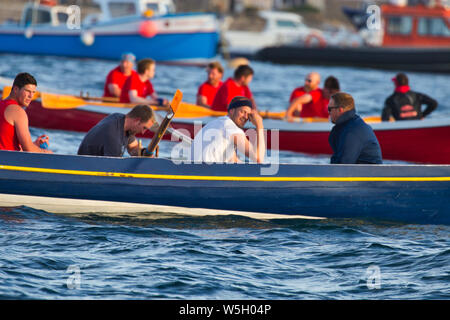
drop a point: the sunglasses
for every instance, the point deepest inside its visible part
(331, 108)
(307, 80)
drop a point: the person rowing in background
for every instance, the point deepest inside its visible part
(306, 101)
(208, 89)
(219, 140)
(405, 104)
(138, 87)
(233, 87)
(14, 131)
(116, 78)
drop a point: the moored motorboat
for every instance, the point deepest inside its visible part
(396, 36)
(144, 27)
(402, 193)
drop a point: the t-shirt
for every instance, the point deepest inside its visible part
(107, 138)
(209, 91)
(117, 77)
(227, 92)
(133, 82)
(213, 143)
(313, 108)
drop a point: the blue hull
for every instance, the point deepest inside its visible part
(163, 47)
(403, 193)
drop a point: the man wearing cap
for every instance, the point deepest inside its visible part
(116, 77)
(405, 104)
(219, 140)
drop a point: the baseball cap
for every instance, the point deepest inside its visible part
(128, 56)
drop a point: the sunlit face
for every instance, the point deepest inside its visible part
(24, 95)
(214, 75)
(140, 127)
(126, 66)
(151, 71)
(333, 111)
(240, 115)
(312, 81)
(247, 80)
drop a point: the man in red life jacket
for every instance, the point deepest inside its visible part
(208, 89)
(138, 87)
(14, 131)
(330, 87)
(233, 87)
(116, 77)
(306, 101)
(405, 104)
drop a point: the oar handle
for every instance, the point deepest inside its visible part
(158, 135)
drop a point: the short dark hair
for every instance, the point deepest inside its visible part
(216, 65)
(343, 100)
(243, 71)
(22, 79)
(401, 79)
(332, 83)
(142, 112)
(144, 64)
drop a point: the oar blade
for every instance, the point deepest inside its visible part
(59, 101)
(176, 101)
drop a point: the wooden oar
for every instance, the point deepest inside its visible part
(187, 110)
(176, 101)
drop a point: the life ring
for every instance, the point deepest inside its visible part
(313, 38)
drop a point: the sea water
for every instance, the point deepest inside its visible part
(97, 256)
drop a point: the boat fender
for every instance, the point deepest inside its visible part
(148, 29)
(87, 38)
(315, 40)
(28, 33)
(148, 13)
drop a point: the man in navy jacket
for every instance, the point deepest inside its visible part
(351, 139)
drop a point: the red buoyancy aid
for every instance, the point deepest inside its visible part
(8, 136)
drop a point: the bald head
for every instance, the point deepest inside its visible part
(312, 81)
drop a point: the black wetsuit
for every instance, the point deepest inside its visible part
(407, 106)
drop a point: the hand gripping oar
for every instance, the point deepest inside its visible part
(178, 96)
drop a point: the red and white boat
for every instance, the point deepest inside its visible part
(421, 141)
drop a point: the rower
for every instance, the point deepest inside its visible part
(208, 89)
(405, 104)
(305, 101)
(14, 131)
(138, 87)
(116, 77)
(220, 138)
(115, 133)
(233, 87)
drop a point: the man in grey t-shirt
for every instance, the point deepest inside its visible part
(115, 133)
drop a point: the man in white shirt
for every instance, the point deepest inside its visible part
(219, 140)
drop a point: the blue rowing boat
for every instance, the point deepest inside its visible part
(402, 193)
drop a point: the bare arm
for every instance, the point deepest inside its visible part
(18, 117)
(114, 89)
(297, 104)
(244, 146)
(202, 101)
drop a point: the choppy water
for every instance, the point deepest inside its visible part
(48, 256)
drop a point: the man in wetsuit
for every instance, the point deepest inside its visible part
(405, 104)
